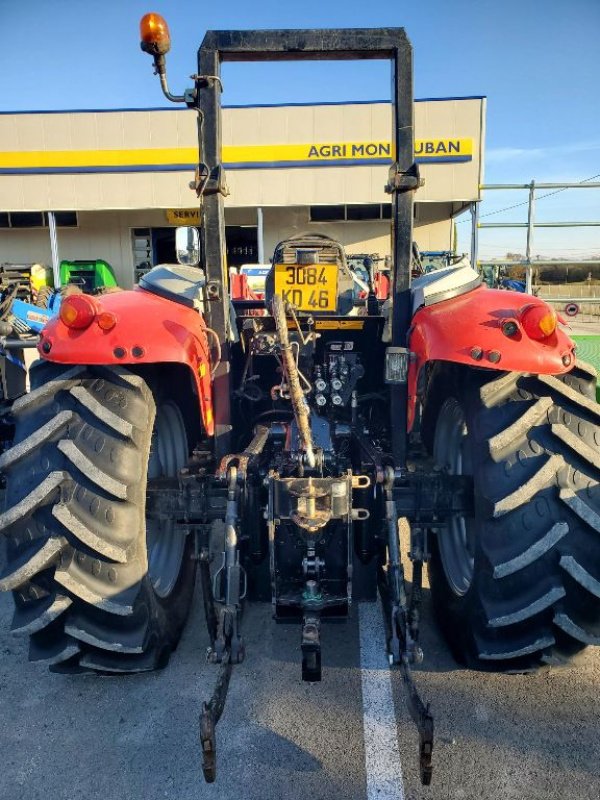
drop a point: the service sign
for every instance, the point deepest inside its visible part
(183, 216)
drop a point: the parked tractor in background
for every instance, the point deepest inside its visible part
(28, 299)
(92, 277)
(440, 259)
(307, 423)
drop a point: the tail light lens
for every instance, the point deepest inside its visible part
(538, 321)
(77, 311)
(106, 320)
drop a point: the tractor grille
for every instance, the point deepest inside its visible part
(328, 250)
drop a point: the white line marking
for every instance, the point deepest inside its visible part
(382, 756)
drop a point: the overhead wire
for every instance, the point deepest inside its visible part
(526, 202)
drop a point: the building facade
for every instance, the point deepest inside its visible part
(118, 181)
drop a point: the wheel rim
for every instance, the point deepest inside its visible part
(456, 544)
(168, 454)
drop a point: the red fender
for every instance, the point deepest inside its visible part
(456, 329)
(149, 330)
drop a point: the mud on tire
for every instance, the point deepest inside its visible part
(75, 523)
(529, 594)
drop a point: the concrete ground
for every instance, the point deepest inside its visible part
(497, 736)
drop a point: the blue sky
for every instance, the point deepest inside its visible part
(537, 61)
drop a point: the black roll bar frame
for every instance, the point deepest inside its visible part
(304, 45)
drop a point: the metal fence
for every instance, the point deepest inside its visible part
(565, 293)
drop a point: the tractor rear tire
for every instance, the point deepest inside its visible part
(95, 585)
(517, 586)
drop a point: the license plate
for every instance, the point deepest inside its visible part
(310, 287)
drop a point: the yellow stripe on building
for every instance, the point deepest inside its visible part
(434, 149)
(49, 159)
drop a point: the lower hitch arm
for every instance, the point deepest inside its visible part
(227, 649)
(211, 714)
(423, 719)
(226, 644)
(402, 621)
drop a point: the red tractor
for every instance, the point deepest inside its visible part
(308, 424)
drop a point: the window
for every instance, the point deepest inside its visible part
(352, 213)
(327, 213)
(27, 219)
(142, 252)
(66, 219)
(37, 219)
(363, 212)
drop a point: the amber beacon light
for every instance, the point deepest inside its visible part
(154, 34)
(156, 40)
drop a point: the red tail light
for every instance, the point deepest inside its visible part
(78, 311)
(538, 320)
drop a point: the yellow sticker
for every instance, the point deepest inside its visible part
(307, 287)
(338, 325)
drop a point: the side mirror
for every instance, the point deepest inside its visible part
(187, 246)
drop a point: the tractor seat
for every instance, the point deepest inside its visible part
(304, 250)
(443, 284)
(175, 282)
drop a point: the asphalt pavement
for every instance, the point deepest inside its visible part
(520, 737)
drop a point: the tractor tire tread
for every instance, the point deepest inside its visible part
(75, 522)
(535, 596)
(35, 616)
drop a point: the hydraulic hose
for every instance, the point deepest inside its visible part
(299, 405)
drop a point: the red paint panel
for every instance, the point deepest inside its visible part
(149, 330)
(448, 331)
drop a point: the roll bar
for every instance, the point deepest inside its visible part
(305, 45)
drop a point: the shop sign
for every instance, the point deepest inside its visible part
(183, 216)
